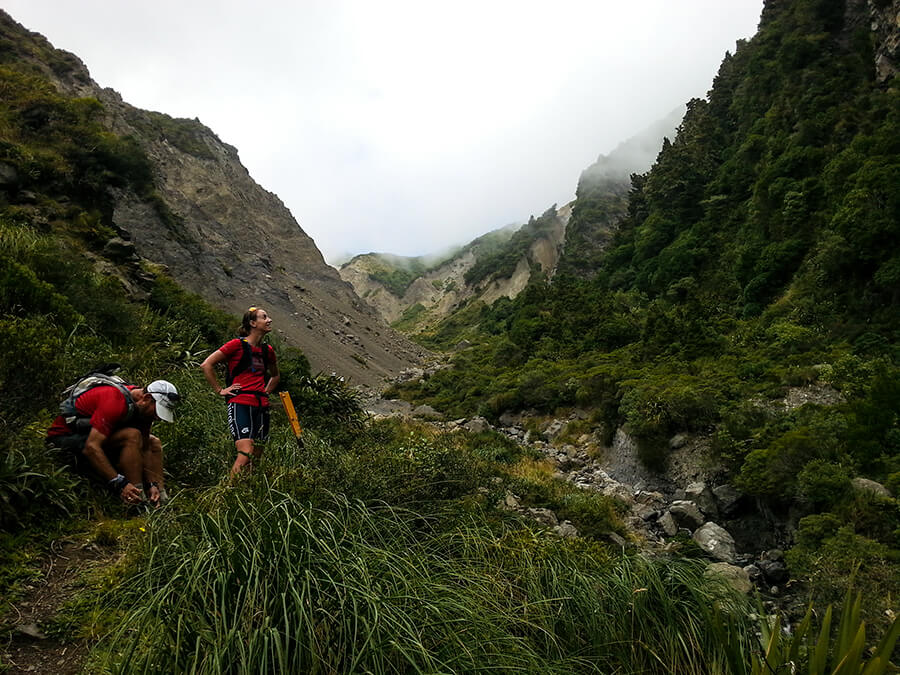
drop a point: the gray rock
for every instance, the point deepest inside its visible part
(619, 491)
(511, 500)
(774, 571)
(678, 441)
(9, 176)
(774, 554)
(703, 497)
(554, 429)
(652, 498)
(544, 517)
(566, 530)
(31, 630)
(866, 485)
(668, 524)
(728, 498)
(616, 540)
(753, 572)
(734, 576)
(427, 412)
(476, 425)
(686, 514)
(644, 511)
(716, 541)
(410, 374)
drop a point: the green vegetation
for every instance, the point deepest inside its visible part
(498, 259)
(757, 259)
(277, 572)
(757, 256)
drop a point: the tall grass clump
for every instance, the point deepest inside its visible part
(253, 578)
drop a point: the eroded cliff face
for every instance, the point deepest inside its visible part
(223, 236)
(442, 290)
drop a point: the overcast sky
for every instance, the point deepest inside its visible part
(405, 126)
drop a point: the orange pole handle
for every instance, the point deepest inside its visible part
(291, 413)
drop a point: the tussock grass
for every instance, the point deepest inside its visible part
(254, 578)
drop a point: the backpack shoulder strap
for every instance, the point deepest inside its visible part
(245, 362)
(78, 420)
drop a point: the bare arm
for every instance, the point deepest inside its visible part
(209, 371)
(93, 451)
(274, 378)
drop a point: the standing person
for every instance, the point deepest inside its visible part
(105, 424)
(252, 376)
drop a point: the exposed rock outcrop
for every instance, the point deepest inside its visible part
(222, 235)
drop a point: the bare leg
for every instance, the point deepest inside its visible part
(245, 450)
(153, 461)
(130, 443)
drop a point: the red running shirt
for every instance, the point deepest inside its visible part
(107, 409)
(251, 380)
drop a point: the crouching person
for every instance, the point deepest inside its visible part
(105, 425)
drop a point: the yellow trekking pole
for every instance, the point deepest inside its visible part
(292, 416)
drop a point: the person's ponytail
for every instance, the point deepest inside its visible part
(249, 315)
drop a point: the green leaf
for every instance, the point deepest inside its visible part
(850, 663)
(820, 654)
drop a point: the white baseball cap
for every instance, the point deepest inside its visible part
(166, 396)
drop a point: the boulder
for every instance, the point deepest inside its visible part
(686, 514)
(753, 572)
(476, 425)
(31, 630)
(774, 571)
(716, 541)
(644, 511)
(667, 522)
(616, 540)
(678, 441)
(734, 576)
(866, 485)
(544, 517)
(703, 497)
(9, 175)
(728, 499)
(554, 429)
(566, 530)
(426, 412)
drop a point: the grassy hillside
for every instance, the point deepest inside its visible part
(758, 256)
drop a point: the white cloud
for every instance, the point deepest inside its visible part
(401, 125)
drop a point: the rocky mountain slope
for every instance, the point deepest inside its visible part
(439, 290)
(419, 294)
(218, 232)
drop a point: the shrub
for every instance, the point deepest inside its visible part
(822, 483)
(33, 491)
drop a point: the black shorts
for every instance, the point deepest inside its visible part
(70, 447)
(248, 421)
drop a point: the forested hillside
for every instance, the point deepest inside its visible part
(758, 257)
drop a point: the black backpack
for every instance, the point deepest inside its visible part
(246, 362)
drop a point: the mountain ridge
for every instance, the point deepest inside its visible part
(414, 296)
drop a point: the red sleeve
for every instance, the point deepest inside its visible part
(110, 410)
(231, 347)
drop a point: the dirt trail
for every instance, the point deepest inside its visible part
(25, 646)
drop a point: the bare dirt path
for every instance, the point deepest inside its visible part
(25, 646)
